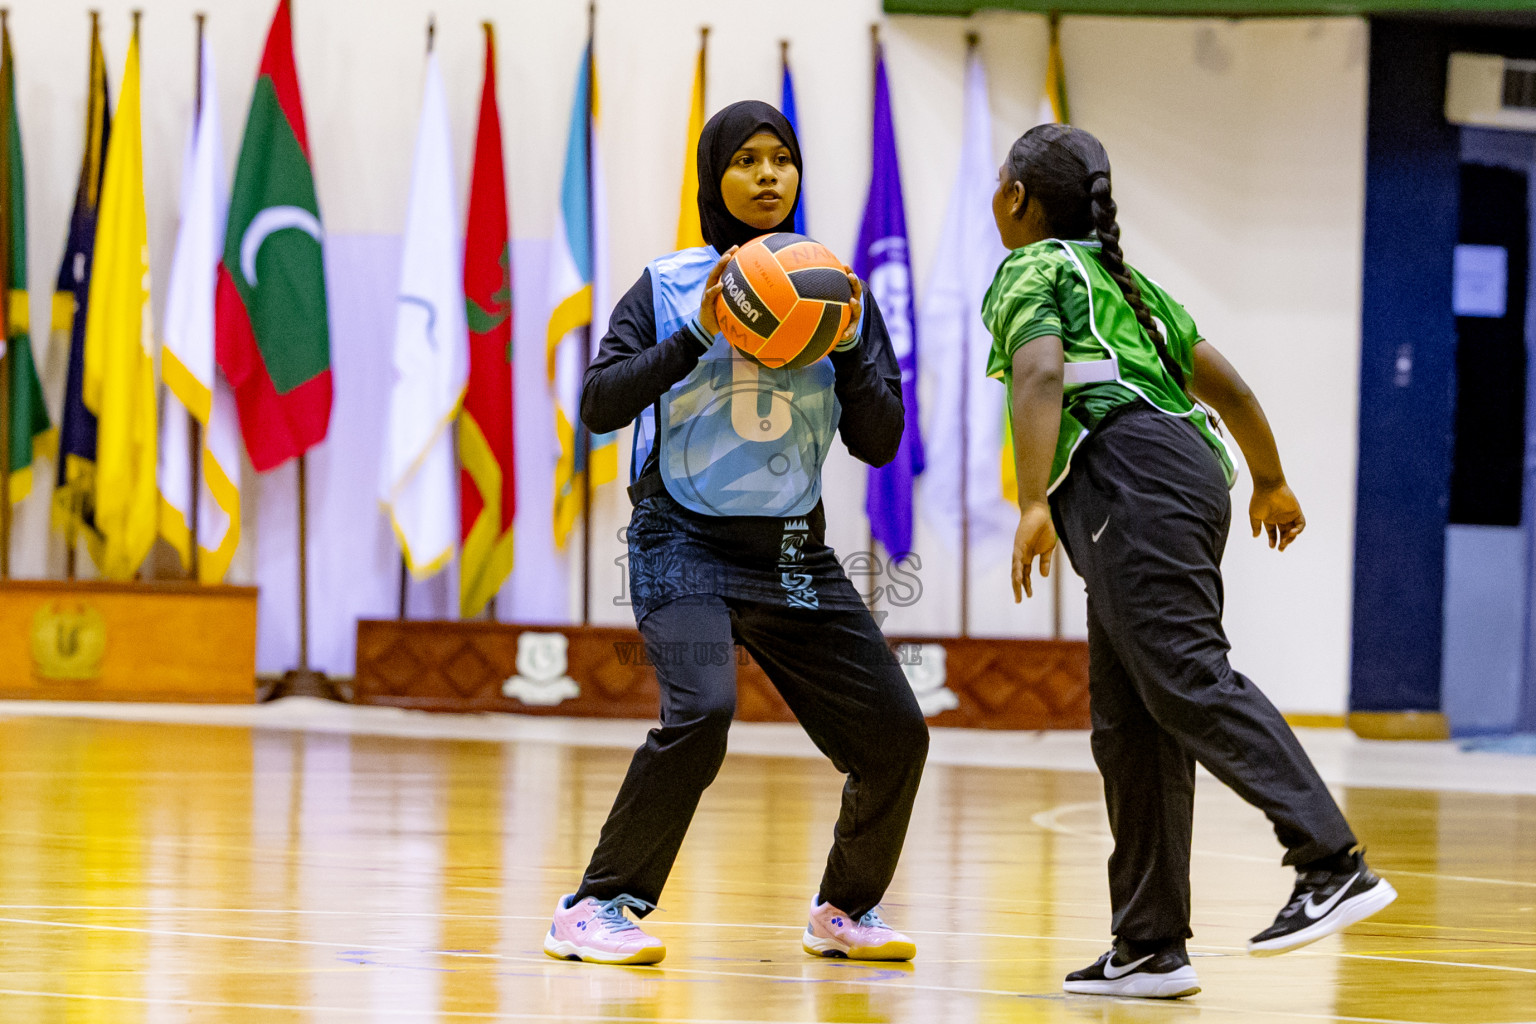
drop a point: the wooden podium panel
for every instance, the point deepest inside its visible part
(127, 641)
(599, 671)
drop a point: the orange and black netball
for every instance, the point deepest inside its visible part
(784, 300)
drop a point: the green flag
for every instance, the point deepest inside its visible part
(271, 333)
(31, 434)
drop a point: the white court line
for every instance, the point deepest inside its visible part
(691, 924)
(1205, 947)
(385, 1012)
(172, 910)
(542, 961)
(1049, 820)
(889, 985)
(481, 1015)
(1437, 963)
(1341, 757)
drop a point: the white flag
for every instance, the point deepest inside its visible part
(187, 359)
(419, 482)
(957, 341)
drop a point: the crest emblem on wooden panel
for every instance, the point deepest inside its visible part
(541, 679)
(69, 642)
(925, 666)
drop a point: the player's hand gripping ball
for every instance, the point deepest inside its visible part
(784, 300)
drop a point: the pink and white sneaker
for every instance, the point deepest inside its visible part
(599, 932)
(833, 933)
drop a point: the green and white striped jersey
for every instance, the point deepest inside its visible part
(1060, 287)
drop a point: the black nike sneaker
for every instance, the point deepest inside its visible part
(1164, 975)
(1322, 903)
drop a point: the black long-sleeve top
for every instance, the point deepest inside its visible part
(633, 370)
(674, 552)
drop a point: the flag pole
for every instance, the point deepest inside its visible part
(76, 499)
(1056, 564)
(584, 441)
(404, 567)
(6, 99)
(76, 506)
(303, 565)
(304, 681)
(972, 41)
(1056, 583)
(195, 434)
(490, 37)
(137, 13)
(872, 597)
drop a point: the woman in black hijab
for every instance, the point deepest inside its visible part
(727, 545)
(719, 141)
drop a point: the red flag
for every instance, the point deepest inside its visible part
(487, 482)
(272, 339)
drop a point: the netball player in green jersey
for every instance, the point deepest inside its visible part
(1115, 457)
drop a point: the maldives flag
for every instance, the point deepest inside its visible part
(271, 335)
(487, 483)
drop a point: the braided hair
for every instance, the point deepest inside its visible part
(1067, 170)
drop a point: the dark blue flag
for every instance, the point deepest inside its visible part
(787, 108)
(75, 496)
(881, 260)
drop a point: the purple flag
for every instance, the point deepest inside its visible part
(881, 260)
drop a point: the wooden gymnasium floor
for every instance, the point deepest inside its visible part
(310, 863)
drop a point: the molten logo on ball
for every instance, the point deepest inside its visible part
(785, 301)
(738, 295)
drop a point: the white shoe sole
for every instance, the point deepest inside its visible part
(1351, 911)
(570, 951)
(818, 946)
(1140, 985)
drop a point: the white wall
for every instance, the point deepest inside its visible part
(1237, 146)
(1239, 157)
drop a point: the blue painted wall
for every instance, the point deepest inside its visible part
(1407, 372)
(1408, 360)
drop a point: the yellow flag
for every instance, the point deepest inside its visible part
(119, 379)
(689, 233)
(1056, 79)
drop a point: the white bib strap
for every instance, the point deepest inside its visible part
(1093, 371)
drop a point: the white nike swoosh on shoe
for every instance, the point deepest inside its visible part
(1317, 910)
(1112, 972)
(1100, 531)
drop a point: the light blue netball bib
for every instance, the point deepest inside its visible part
(734, 438)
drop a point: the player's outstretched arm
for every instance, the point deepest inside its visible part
(1036, 419)
(1274, 507)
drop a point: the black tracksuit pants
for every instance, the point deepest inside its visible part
(837, 675)
(1144, 516)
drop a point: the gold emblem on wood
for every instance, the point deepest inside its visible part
(69, 641)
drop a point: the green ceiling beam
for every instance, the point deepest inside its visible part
(1211, 8)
